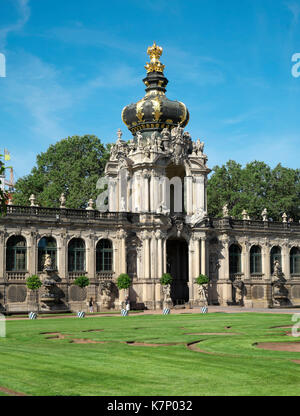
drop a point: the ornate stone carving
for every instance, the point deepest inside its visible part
(225, 211)
(167, 302)
(62, 201)
(121, 234)
(264, 215)
(239, 286)
(106, 291)
(197, 216)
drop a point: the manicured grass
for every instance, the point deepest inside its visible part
(34, 365)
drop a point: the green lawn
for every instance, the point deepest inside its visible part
(34, 365)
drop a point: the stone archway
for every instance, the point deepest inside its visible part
(177, 266)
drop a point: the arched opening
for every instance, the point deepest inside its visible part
(295, 261)
(235, 264)
(177, 266)
(255, 260)
(47, 245)
(172, 196)
(176, 175)
(104, 256)
(16, 254)
(76, 255)
(275, 255)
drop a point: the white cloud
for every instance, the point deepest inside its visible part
(24, 15)
(294, 8)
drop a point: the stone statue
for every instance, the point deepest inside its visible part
(225, 211)
(106, 294)
(203, 291)
(265, 215)
(167, 303)
(47, 262)
(62, 201)
(199, 147)
(139, 138)
(277, 269)
(239, 291)
(113, 152)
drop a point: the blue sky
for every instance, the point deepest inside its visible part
(72, 66)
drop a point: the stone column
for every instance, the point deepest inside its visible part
(32, 253)
(146, 238)
(203, 255)
(189, 195)
(199, 201)
(165, 192)
(91, 257)
(246, 260)
(197, 261)
(112, 194)
(191, 270)
(122, 263)
(61, 256)
(164, 255)
(153, 256)
(286, 260)
(2, 256)
(137, 193)
(146, 201)
(266, 261)
(158, 236)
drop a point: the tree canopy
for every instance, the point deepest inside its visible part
(253, 188)
(71, 166)
(3, 195)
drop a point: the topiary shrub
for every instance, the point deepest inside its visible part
(202, 280)
(166, 279)
(123, 281)
(34, 283)
(82, 281)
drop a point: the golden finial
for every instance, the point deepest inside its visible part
(155, 53)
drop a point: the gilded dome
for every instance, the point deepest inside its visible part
(155, 111)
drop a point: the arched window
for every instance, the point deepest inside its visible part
(255, 260)
(76, 255)
(104, 256)
(275, 255)
(235, 259)
(47, 245)
(16, 254)
(295, 260)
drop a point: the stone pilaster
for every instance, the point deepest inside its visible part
(122, 247)
(2, 256)
(266, 261)
(189, 194)
(286, 260)
(32, 253)
(146, 245)
(246, 260)
(203, 255)
(62, 253)
(91, 257)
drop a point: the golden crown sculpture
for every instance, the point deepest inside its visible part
(155, 53)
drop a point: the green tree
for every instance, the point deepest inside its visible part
(202, 280)
(123, 281)
(3, 195)
(166, 279)
(82, 282)
(253, 188)
(34, 283)
(71, 166)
